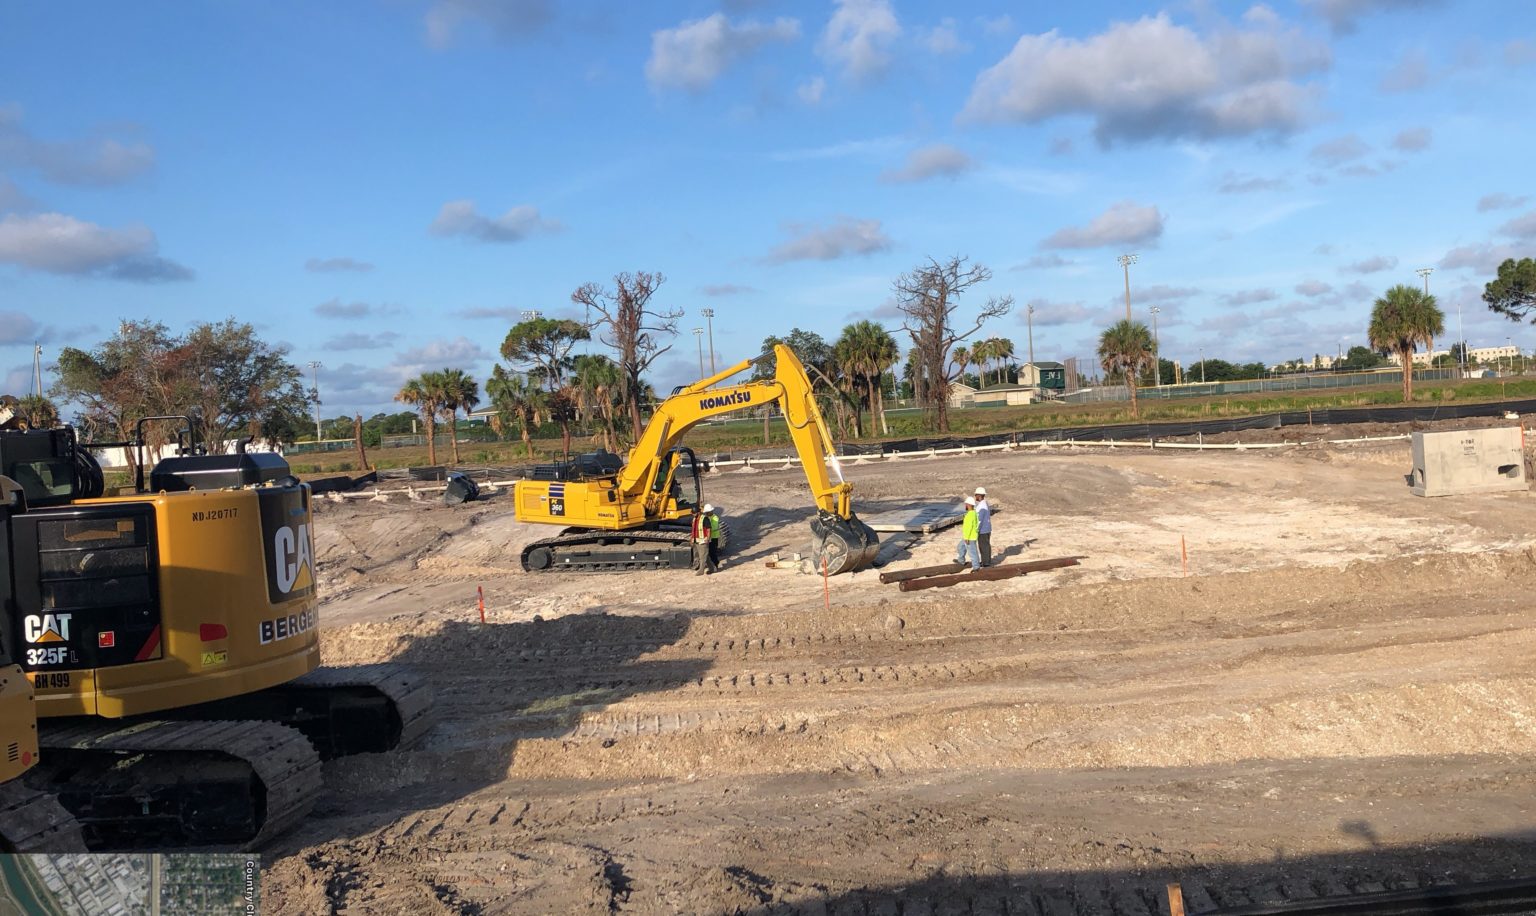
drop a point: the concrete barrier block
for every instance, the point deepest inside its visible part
(1454, 462)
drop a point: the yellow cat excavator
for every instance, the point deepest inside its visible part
(30, 821)
(637, 516)
(172, 639)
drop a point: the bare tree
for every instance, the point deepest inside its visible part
(928, 296)
(632, 328)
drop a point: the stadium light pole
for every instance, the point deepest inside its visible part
(1157, 369)
(1509, 345)
(1462, 334)
(1202, 365)
(1425, 272)
(1029, 315)
(531, 314)
(698, 334)
(1126, 260)
(709, 320)
(315, 365)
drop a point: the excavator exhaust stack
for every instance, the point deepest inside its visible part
(844, 546)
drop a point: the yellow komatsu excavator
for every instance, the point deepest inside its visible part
(636, 516)
(171, 636)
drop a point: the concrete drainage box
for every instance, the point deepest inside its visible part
(1468, 461)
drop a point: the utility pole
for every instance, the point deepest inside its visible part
(1202, 365)
(698, 334)
(1029, 317)
(1157, 368)
(1429, 357)
(1126, 260)
(1460, 333)
(315, 365)
(709, 319)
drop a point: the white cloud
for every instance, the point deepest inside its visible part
(1344, 14)
(1154, 79)
(859, 36)
(99, 161)
(1521, 227)
(939, 160)
(944, 39)
(725, 289)
(1499, 201)
(811, 91)
(60, 244)
(873, 147)
(1313, 288)
(1157, 293)
(1124, 223)
(333, 265)
(358, 341)
(1044, 262)
(1053, 314)
(506, 19)
(16, 327)
(1483, 258)
(693, 55)
(1340, 150)
(1413, 139)
(1409, 73)
(1000, 25)
(1250, 296)
(1234, 183)
(12, 197)
(459, 217)
(439, 354)
(845, 236)
(1371, 265)
(335, 308)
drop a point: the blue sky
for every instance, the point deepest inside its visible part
(384, 186)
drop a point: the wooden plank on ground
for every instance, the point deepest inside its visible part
(988, 573)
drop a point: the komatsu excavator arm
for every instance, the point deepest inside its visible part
(846, 543)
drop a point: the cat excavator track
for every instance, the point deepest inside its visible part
(666, 546)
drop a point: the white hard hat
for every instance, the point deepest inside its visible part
(708, 508)
(970, 501)
(981, 491)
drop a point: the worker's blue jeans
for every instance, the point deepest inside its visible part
(969, 548)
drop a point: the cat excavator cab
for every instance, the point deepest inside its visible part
(30, 820)
(171, 635)
(635, 515)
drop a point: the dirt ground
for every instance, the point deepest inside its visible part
(1338, 696)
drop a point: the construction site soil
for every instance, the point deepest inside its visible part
(1337, 697)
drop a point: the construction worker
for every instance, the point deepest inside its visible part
(700, 538)
(968, 534)
(983, 527)
(713, 519)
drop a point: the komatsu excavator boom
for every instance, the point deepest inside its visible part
(636, 516)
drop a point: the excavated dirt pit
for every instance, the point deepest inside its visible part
(1337, 697)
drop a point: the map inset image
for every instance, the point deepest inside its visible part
(129, 885)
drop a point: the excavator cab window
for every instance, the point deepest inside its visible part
(44, 479)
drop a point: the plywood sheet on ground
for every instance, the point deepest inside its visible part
(921, 520)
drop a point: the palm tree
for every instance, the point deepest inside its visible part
(1125, 348)
(873, 351)
(457, 390)
(962, 358)
(40, 413)
(1401, 320)
(1002, 351)
(598, 379)
(516, 399)
(424, 394)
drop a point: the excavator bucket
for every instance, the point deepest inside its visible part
(845, 545)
